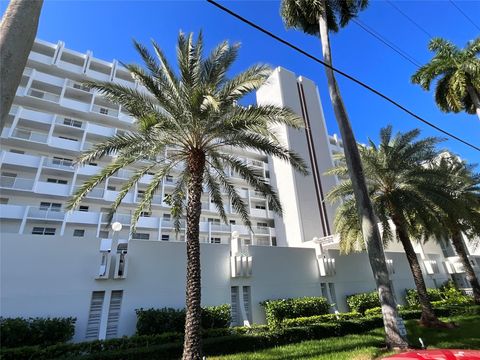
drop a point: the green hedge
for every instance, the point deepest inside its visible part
(363, 301)
(278, 310)
(159, 321)
(328, 318)
(35, 331)
(216, 341)
(445, 295)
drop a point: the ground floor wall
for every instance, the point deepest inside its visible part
(59, 276)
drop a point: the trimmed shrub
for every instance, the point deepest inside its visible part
(278, 310)
(216, 341)
(159, 321)
(328, 318)
(363, 301)
(446, 295)
(35, 331)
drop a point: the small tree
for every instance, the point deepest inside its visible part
(195, 114)
(404, 190)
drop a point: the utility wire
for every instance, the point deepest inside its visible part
(465, 15)
(410, 19)
(355, 80)
(392, 46)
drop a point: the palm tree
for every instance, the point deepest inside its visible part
(464, 186)
(318, 17)
(194, 112)
(458, 70)
(17, 34)
(404, 191)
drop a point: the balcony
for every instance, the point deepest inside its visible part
(44, 95)
(431, 266)
(105, 111)
(83, 217)
(45, 214)
(30, 135)
(21, 159)
(78, 86)
(71, 123)
(12, 211)
(58, 164)
(45, 187)
(9, 182)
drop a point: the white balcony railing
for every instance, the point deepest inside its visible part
(40, 94)
(29, 135)
(105, 110)
(58, 163)
(10, 182)
(47, 214)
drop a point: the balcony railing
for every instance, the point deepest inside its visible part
(47, 214)
(40, 94)
(16, 183)
(30, 135)
(58, 163)
(105, 110)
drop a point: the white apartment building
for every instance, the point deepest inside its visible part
(58, 263)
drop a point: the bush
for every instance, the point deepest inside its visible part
(216, 341)
(363, 301)
(158, 321)
(35, 331)
(328, 318)
(278, 310)
(446, 295)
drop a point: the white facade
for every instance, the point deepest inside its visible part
(57, 263)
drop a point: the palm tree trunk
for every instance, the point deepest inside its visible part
(428, 317)
(192, 347)
(459, 246)
(475, 98)
(370, 231)
(17, 34)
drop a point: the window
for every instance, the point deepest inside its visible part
(15, 151)
(83, 208)
(111, 188)
(92, 164)
(214, 221)
(8, 174)
(103, 111)
(146, 213)
(233, 222)
(57, 181)
(167, 216)
(79, 232)
(37, 93)
(260, 206)
(165, 237)
(274, 241)
(215, 240)
(50, 206)
(71, 122)
(141, 236)
(67, 138)
(169, 179)
(37, 230)
(262, 224)
(103, 234)
(3, 201)
(140, 194)
(267, 174)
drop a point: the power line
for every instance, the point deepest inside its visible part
(410, 19)
(465, 15)
(355, 80)
(391, 45)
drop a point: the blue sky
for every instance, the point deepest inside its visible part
(107, 27)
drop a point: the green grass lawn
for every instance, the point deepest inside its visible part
(369, 345)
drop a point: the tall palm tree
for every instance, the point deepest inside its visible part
(458, 73)
(319, 17)
(404, 191)
(464, 185)
(194, 111)
(17, 34)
